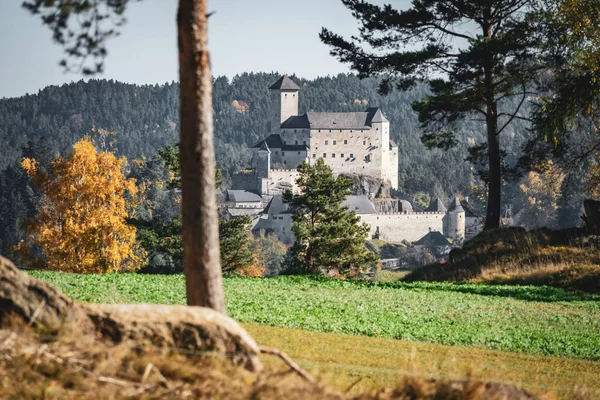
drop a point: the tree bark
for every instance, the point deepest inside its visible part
(200, 231)
(492, 219)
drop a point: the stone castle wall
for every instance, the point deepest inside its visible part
(400, 226)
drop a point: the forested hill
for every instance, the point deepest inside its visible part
(146, 118)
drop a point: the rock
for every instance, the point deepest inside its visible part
(366, 186)
(34, 302)
(194, 330)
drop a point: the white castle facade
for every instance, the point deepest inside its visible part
(350, 143)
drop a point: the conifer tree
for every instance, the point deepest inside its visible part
(329, 237)
(478, 54)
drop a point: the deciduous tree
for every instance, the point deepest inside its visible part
(329, 237)
(204, 286)
(81, 224)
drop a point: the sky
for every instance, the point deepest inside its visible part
(244, 36)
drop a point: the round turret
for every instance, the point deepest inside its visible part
(455, 221)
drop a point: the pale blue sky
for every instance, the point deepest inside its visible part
(244, 36)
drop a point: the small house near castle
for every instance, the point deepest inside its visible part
(350, 143)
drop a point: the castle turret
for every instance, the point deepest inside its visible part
(284, 100)
(455, 221)
(261, 160)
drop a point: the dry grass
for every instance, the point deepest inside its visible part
(371, 363)
(76, 367)
(565, 258)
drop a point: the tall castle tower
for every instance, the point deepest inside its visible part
(284, 100)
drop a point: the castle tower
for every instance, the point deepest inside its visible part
(284, 100)
(455, 222)
(261, 160)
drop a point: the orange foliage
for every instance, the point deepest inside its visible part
(255, 270)
(81, 223)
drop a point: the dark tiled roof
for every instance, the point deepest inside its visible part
(296, 122)
(294, 147)
(433, 239)
(455, 206)
(359, 204)
(243, 195)
(264, 146)
(436, 206)
(284, 83)
(273, 141)
(376, 116)
(335, 120)
(277, 206)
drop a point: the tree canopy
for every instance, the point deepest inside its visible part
(475, 55)
(329, 237)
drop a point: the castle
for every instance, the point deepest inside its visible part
(350, 143)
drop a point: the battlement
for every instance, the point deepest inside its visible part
(291, 170)
(417, 213)
(245, 172)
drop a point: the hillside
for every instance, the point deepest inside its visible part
(146, 118)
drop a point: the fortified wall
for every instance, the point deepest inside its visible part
(396, 227)
(277, 182)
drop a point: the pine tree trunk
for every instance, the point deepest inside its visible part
(492, 219)
(200, 231)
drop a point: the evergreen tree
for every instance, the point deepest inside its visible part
(480, 54)
(329, 237)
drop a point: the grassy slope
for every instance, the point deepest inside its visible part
(536, 320)
(565, 258)
(384, 362)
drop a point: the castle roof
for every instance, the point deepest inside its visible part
(432, 239)
(275, 142)
(359, 204)
(436, 206)
(455, 206)
(284, 83)
(264, 147)
(272, 141)
(335, 120)
(277, 206)
(243, 196)
(377, 115)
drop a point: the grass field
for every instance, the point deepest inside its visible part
(534, 320)
(335, 359)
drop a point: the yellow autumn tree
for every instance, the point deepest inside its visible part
(81, 223)
(537, 196)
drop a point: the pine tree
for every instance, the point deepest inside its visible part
(477, 54)
(329, 237)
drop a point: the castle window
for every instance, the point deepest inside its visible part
(304, 142)
(332, 155)
(280, 217)
(294, 131)
(314, 155)
(296, 140)
(351, 155)
(326, 142)
(298, 153)
(274, 217)
(283, 153)
(330, 131)
(364, 142)
(324, 155)
(286, 95)
(283, 229)
(276, 153)
(342, 155)
(345, 142)
(284, 161)
(334, 142)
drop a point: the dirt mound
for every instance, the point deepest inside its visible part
(567, 258)
(25, 301)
